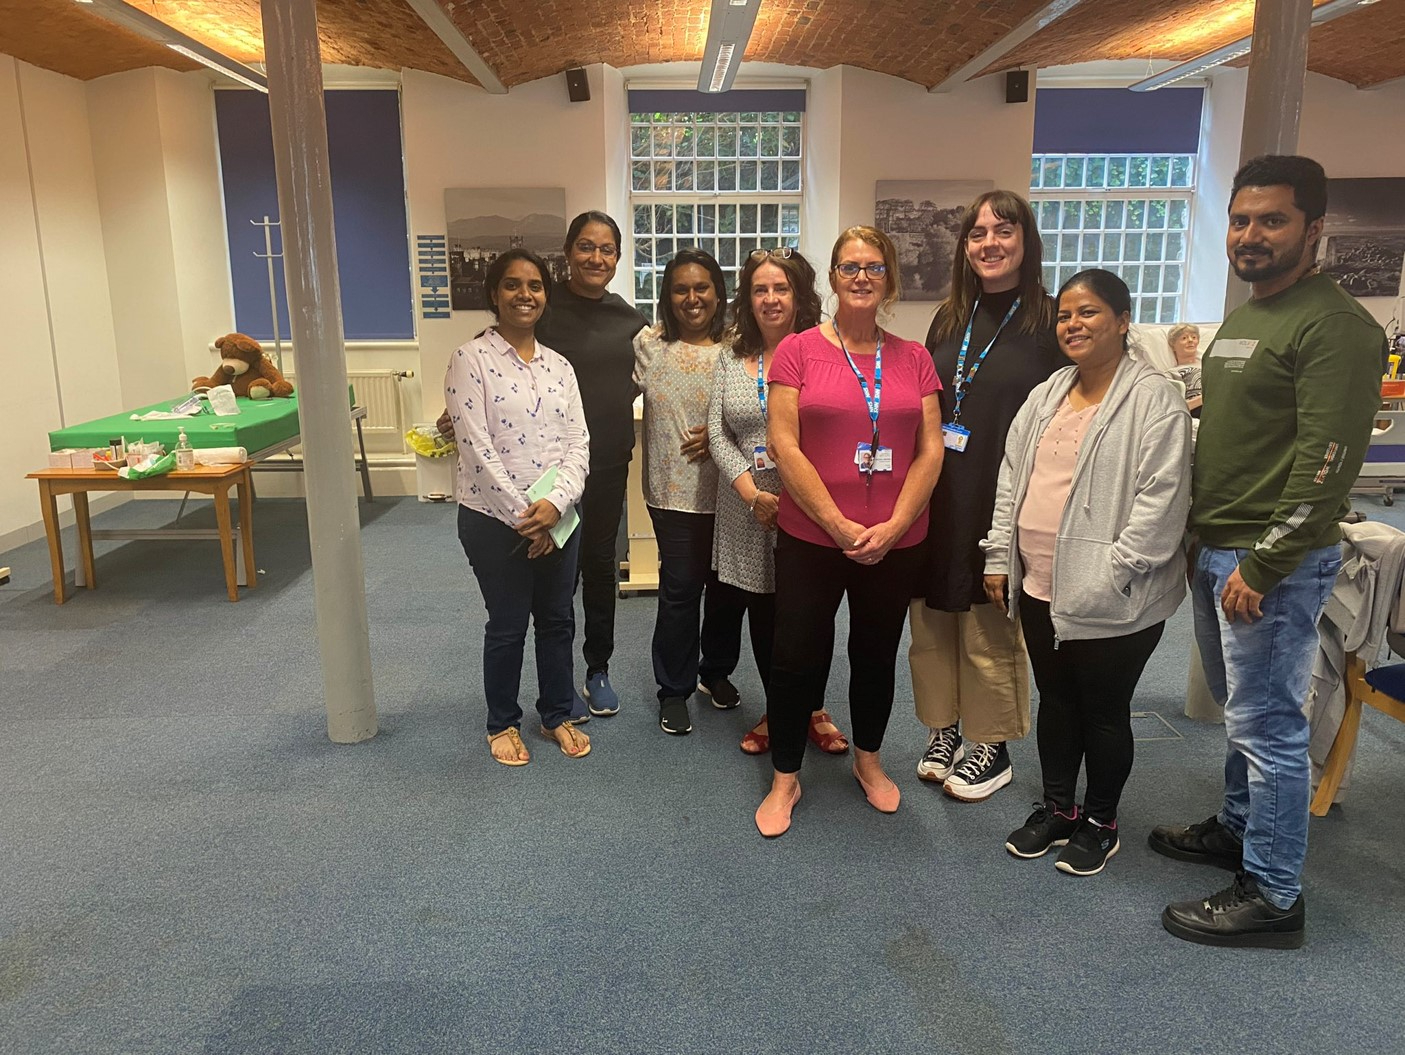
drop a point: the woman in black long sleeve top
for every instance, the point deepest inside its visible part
(970, 673)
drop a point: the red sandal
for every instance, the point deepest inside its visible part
(833, 743)
(755, 743)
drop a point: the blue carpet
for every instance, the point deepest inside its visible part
(189, 865)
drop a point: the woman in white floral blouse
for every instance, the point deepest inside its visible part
(517, 417)
(673, 368)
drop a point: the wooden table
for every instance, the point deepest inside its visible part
(213, 480)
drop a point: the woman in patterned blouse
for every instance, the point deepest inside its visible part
(517, 419)
(775, 297)
(673, 368)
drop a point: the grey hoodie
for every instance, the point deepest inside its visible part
(1116, 568)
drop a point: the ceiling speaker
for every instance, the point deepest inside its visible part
(1017, 86)
(577, 86)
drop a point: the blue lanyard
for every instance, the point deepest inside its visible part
(877, 395)
(761, 380)
(962, 383)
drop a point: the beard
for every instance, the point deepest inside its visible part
(1265, 265)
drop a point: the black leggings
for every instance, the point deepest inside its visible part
(811, 581)
(1085, 708)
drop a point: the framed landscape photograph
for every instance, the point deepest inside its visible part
(923, 217)
(1363, 238)
(486, 221)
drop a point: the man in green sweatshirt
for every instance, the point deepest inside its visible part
(1291, 385)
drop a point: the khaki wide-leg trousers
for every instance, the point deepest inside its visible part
(970, 667)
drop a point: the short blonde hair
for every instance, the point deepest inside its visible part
(880, 241)
(1181, 329)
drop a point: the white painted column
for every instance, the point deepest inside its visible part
(314, 303)
(1273, 101)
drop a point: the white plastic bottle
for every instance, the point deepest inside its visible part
(185, 453)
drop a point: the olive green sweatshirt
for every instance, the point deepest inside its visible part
(1292, 383)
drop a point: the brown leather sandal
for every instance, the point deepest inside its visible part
(573, 742)
(512, 737)
(833, 743)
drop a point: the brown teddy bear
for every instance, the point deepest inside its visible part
(245, 368)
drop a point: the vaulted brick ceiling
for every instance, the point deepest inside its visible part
(522, 40)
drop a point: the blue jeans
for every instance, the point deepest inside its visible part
(1259, 673)
(516, 589)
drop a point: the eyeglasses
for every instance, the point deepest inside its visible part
(780, 252)
(609, 252)
(852, 270)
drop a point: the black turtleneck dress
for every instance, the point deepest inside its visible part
(964, 498)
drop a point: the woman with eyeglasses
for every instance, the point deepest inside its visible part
(515, 411)
(673, 365)
(992, 341)
(1085, 543)
(594, 329)
(775, 297)
(848, 526)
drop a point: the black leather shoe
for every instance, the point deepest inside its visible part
(1206, 843)
(1238, 916)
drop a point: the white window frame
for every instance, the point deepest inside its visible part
(649, 271)
(1148, 306)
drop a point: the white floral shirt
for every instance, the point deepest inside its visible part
(676, 379)
(512, 420)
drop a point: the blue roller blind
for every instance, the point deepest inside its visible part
(1117, 121)
(368, 200)
(742, 100)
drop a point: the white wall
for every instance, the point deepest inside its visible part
(54, 299)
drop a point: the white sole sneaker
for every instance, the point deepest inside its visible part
(981, 791)
(937, 775)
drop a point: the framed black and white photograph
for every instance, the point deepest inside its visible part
(1363, 237)
(486, 221)
(923, 217)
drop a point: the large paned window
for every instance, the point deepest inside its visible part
(722, 173)
(1112, 182)
(1129, 213)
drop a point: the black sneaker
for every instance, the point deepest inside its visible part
(1045, 828)
(673, 716)
(1088, 848)
(1206, 843)
(943, 752)
(1239, 916)
(984, 771)
(724, 694)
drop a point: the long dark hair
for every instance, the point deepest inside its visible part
(719, 284)
(498, 268)
(1108, 288)
(745, 334)
(1036, 313)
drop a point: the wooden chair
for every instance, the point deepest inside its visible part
(1358, 691)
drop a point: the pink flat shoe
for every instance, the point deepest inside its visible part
(776, 821)
(884, 800)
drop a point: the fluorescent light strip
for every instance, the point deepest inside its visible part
(215, 65)
(138, 21)
(729, 26)
(724, 63)
(1239, 48)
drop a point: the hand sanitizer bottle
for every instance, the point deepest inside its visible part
(185, 453)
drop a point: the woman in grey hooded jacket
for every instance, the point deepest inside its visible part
(1090, 512)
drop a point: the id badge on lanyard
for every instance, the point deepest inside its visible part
(955, 436)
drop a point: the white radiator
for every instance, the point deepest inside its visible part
(379, 392)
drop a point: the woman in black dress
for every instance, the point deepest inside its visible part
(992, 341)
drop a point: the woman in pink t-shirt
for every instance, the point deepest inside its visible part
(854, 426)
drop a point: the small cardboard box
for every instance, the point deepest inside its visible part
(82, 457)
(61, 459)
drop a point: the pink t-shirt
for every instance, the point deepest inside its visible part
(834, 420)
(1050, 479)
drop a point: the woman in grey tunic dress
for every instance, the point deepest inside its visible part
(775, 297)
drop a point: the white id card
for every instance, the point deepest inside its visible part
(955, 437)
(868, 462)
(761, 458)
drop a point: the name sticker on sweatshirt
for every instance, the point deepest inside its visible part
(1228, 349)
